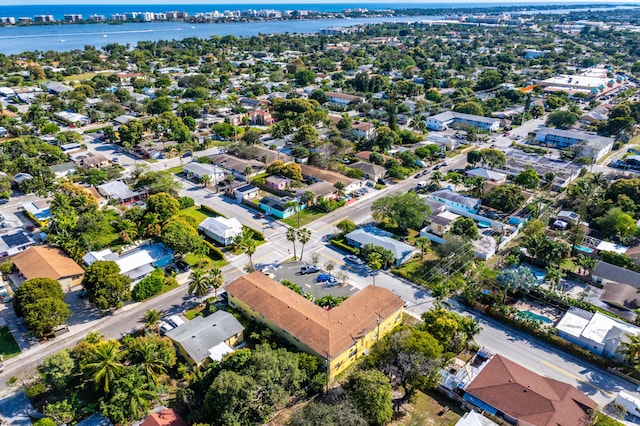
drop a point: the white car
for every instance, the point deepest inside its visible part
(352, 258)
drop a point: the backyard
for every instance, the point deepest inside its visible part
(198, 213)
(306, 216)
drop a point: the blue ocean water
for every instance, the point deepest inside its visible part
(108, 9)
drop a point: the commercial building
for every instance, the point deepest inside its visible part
(595, 147)
(591, 82)
(336, 337)
(445, 119)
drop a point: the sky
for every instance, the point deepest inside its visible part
(363, 2)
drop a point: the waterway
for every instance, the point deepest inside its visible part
(42, 38)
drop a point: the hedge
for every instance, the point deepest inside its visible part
(257, 235)
(214, 252)
(212, 211)
(341, 245)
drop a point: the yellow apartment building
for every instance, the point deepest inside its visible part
(337, 337)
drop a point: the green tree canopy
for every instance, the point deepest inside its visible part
(370, 391)
(528, 178)
(505, 197)
(163, 204)
(106, 287)
(406, 210)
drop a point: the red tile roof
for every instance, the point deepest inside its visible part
(529, 398)
(166, 417)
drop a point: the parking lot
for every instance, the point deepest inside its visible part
(308, 283)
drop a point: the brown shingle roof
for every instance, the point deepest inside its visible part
(325, 332)
(46, 262)
(326, 175)
(528, 397)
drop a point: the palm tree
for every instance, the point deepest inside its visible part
(304, 235)
(631, 349)
(477, 185)
(216, 279)
(293, 204)
(585, 262)
(247, 172)
(152, 318)
(375, 263)
(250, 247)
(470, 328)
(440, 291)
(292, 236)
(199, 284)
(149, 362)
(554, 276)
(422, 242)
(105, 363)
(205, 180)
(136, 395)
(436, 177)
(307, 198)
(339, 186)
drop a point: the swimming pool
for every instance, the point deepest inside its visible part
(583, 248)
(484, 225)
(535, 317)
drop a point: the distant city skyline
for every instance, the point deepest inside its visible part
(364, 3)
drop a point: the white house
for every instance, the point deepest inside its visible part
(220, 229)
(363, 129)
(596, 332)
(456, 200)
(443, 120)
(402, 252)
(341, 98)
(198, 170)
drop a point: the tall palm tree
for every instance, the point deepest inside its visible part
(375, 263)
(292, 236)
(470, 327)
(250, 247)
(554, 276)
(205, 180)
(152, 319)
(422, 242)
(199, 284)
(136, 395)
(631, 349)
(149, 361)
(216, 279)
(339, 186)
(105, 363)
(304, 235)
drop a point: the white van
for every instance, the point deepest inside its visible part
(422, 184)
(175, 320)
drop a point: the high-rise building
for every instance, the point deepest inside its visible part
(72, 17)
(43, 18)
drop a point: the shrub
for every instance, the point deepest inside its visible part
(147, 287)
(186, 202)
(341, 245)
(257, 235)
(292, 286)
(214, 252)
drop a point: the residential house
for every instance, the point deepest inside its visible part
(518, 395)
(277, 206)
(3, 132)
(598, 333)
(402, 252)
(195, 170)
(18, 178)
(319, 189)
(487, 174)
(56, 88)
(237, 166)
(88, 159)
(371, 171)
(15, 240)
(456, 201)
(342, 98)
(444, 142)
(123, 119)
(261, 118)
(206, 339)
(137, 262)
(48, 262)
(268, 156)
(619, 288)
(64, 169)
(595, 146)
(278, 183)
(445, 119)
(569, 217)
(221, 229)
(336, 337)
(164, 417)
(119, 191)
(363, 129)
(317, 174)
(473, 418)
(440, 223)
(39, 211)
(71, 118)
(246, 192)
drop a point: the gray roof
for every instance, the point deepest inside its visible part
(203, 333)
(63, 167)
(201, 169)
(577, 136)
(378, 237)
(616, 274)
(246, 188)
(451, 115)
(486, 174)
(455, 197)
(116, 189)
(369, 168)
(221, 226)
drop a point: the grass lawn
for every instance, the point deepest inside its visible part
(84, 76)
(417, 270)
(8, 346)
(176, 170)
(192, 313)
(426, 407)
(307, 215)
(197, 213)
(568, 265)
(105, 234)
(206, 262)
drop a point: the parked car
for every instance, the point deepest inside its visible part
(382, 181)
(352, 258)
(175, 320)
(259, 215)
(324, 277)
(165, 327)
(333, 282)
(308, 269)
(4, 200)
(170, 270)
(182, 266)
